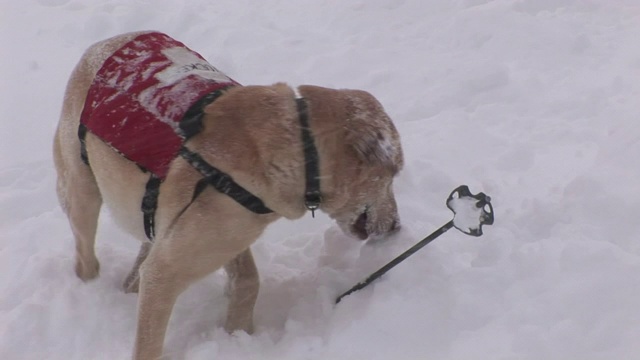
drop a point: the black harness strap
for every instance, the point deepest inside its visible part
(82, 134)
(191, 122)
(150, 204)
(312, 197)
(223, 183)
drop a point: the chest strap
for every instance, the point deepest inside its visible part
(222, 182)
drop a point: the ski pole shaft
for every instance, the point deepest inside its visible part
(398, 259)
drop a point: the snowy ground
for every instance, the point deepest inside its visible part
(534, 102)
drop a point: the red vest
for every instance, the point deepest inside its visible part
(141, 93)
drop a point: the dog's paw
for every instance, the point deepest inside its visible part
(243, 323)
(87, 271)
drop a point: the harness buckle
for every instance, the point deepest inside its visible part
(312, 200)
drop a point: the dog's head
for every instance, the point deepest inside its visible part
(360, 155)
(358, 147)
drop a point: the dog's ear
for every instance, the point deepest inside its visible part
(370, 131)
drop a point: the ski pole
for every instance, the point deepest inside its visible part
(470, 213)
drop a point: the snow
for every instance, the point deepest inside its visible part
(534, 102)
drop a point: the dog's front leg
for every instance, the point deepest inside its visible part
(242, 289)
(132, 281)
(168, 270)
(159, 287)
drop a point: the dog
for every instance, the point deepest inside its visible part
(196, 166)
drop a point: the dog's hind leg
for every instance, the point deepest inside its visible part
(81, 200)
(84, 207)
(132, 281)
(243, 287)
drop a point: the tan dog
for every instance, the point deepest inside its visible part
(251, 133)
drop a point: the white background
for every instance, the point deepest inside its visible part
(534, 102)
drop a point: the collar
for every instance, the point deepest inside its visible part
(312, 196)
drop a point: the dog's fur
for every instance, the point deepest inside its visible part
(253, 134)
